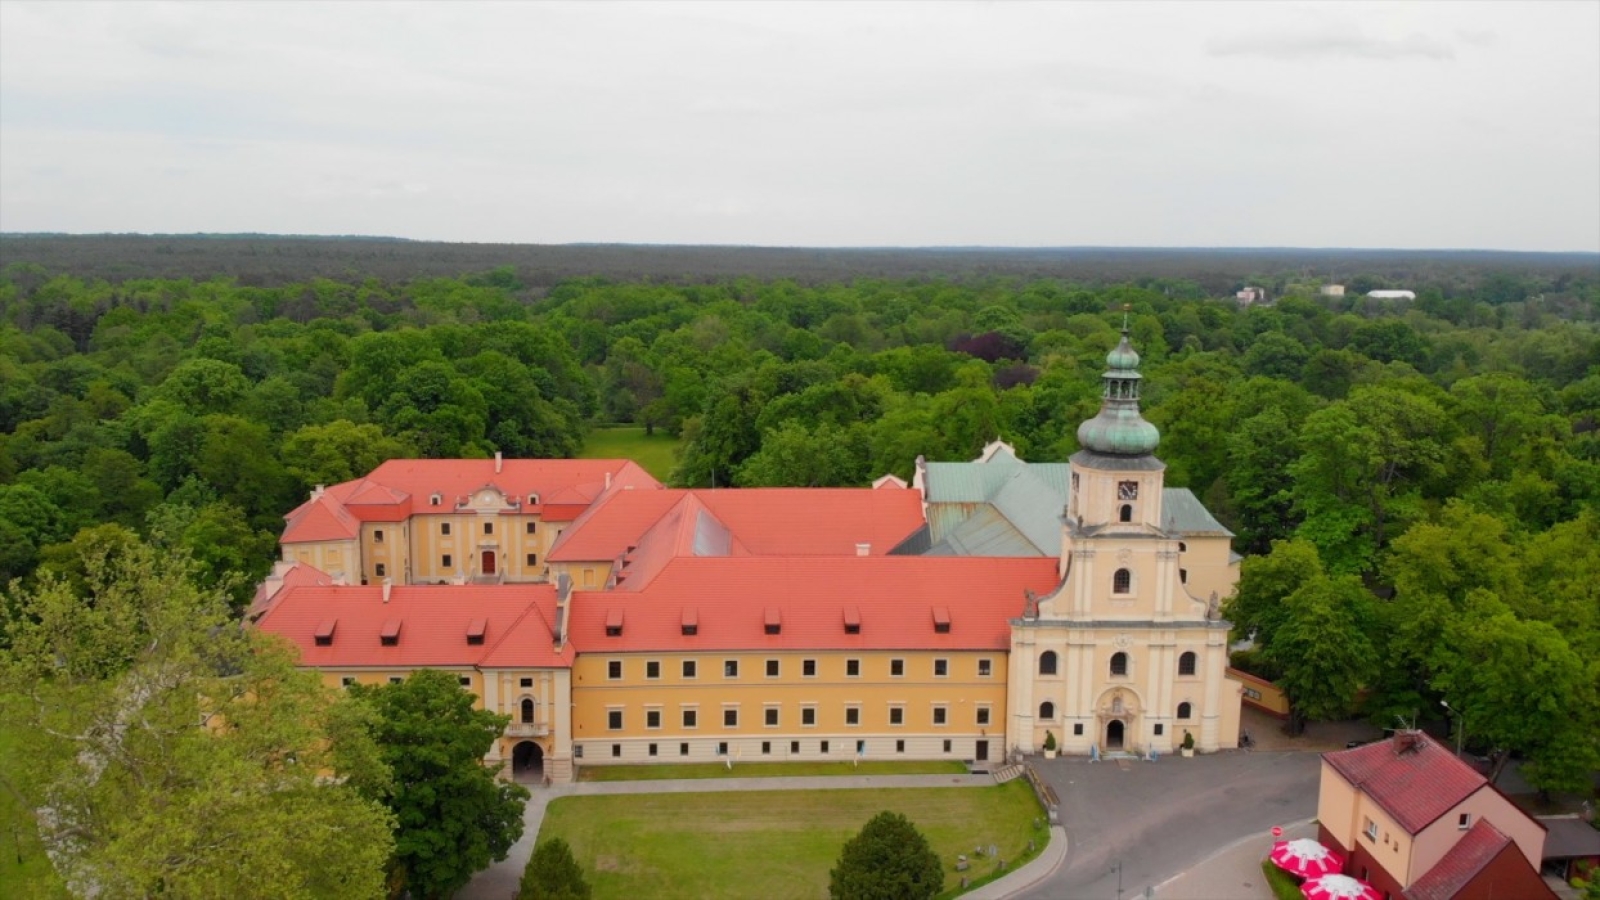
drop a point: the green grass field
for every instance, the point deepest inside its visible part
(770, 770)
(777, 844)
(657, 454)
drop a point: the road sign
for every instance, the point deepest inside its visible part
(1276, 831)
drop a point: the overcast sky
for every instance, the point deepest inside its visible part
(1417, 125)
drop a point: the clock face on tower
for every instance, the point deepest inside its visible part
(1127, 490)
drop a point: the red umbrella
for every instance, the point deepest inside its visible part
(1305, 857)
(1338, 887)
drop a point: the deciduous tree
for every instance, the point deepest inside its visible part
(888, 860)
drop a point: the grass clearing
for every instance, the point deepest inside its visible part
(656, 454)
(778, 844)
(769, 770)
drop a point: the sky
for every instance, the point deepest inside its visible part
(1469, 125)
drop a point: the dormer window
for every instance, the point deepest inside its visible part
(690, 624)
(390, 635)
(533, 499)
(941, 620)
(614, 623)
(475, 631)
(324, 635)
(435, 499)
(852, 620)
(774, 621)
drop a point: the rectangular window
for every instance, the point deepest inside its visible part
(897, 715)
(722, 748)
(488, 528)
(395, 679)
(652, 750)
(526, 682)
(824, 747)
(614, 669)
(377, 536)
(897, 668)
(772, 716)
(444, 529)
(983, 668)
(941, 668)
(730, 718)
(533, 559)
(794, 748)
(852, 668)
(465, 680)
(532, 528)
(939, 713)
(730, 668)
(852, 715)
(900, 746)
(1159, 728)
(983, 715)
(766, 748)
(652, 719)
(808, 716)
(347, 681)
(808, 668)
(380, 569)
(688, 668)
(652, 669)
(1464, 821)
(772, 668)
(683, 749)
(691, 718)
(861, 748)
(1370, 829)
(947, 745)
(616, 751)
(445, 561)
(614, 719)
(1077, 729)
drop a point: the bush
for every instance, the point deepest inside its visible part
(1188, 740)
(553, 874)
(888, 860)
(1282, 883)
(1049, 740)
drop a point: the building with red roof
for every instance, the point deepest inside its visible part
(1416, 822)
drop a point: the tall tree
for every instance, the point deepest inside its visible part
(1323, 649)
(888, 860)
(454, 815)
(553, 874)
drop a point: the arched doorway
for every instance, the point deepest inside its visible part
(1114, 734)
(527, 761)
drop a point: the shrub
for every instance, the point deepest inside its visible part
(888, 860)
(553, 874)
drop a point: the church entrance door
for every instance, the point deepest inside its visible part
(1114, 734)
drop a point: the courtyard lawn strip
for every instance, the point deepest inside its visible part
(656, 454)
(778, 844)
(769, 770)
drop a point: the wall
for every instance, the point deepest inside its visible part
(1436, 840)
(1261, 693)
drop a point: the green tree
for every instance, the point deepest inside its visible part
(553, 874)
(338, 451)
(178, 755)
(888, 860)
(1323, 649)
(1257, 607)
(454, 815)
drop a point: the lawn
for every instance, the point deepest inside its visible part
(777, 844)
(770, 770)
(657, 454)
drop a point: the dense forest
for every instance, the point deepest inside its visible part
(1416, 483)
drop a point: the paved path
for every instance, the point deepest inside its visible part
(499, 881)
(1232, 873)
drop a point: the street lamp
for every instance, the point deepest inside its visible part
(1461, 724)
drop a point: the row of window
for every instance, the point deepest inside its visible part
(823, 747)
(1047, 713)
(1049, 662)
(444, 530)
(445, 562)
(690, 668)
(689, 716)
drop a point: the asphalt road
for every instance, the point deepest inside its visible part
(1158, 819)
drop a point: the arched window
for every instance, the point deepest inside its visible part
(1182, 547)
(1047, 711)
(1127, 512)
(1186, 664)
(1047, 663)
(1184, 710)
(527, 712)
(1119, 663)
(1121, 582)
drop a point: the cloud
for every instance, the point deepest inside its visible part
(1328, 43)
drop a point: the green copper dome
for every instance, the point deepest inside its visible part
(1119, 429)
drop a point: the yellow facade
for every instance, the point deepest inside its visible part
(745, 706)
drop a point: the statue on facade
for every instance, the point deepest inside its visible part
(1030, 604)
(1214, 608)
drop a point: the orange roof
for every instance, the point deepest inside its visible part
(1411, 776)
(284, 575)
(731, 600)
(762, 521)
(401, 488)
(431, 624)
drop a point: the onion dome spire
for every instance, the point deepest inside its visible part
(1119, 429)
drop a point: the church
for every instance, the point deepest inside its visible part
(970, 615)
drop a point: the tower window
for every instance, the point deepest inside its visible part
(1121, 582)
(1047, 711)
(1119, 663)
(1184, 710)
(1126, 515)
(1047, 663)
(1186, 664)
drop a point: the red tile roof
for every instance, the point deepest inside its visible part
(1416, 786)
(730, 599)
(432, 623)
(762, 521)
(1476, 849)
(401, 488)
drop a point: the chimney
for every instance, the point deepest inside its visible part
(863, 549)
(1406, 741)
(608, 481)
(316, 492)
(388, 586)
(497, 462)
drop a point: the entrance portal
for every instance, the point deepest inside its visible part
(527, 761)
(1114, 734)
(982, 754)
(488, 562)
